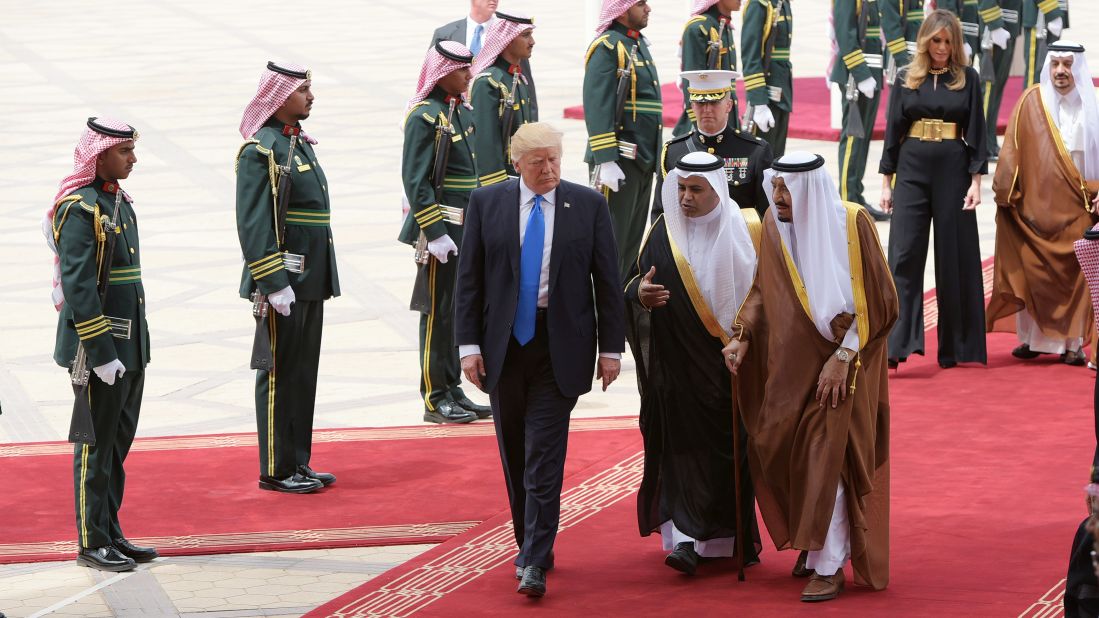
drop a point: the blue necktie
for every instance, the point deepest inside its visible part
(475, 46)
(530, 273)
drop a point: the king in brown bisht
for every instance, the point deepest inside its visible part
(817, 319)
(1046, 185)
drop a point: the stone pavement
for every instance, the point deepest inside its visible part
(181, 72)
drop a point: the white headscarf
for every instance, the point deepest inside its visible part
(726, 268)
(817, 237)
(1085, 88)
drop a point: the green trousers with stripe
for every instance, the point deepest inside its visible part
(1033, 55)
(286, 397)
(99, 479)
(629, 207)
(994, 93)
(853, 151)
(440, 369)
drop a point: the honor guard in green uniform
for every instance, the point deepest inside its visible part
(1043, 22)
(1000, 29)
(501, 95)
(765, 39)
(708, 44)
(439, 173)
(745, 156)
(101, 326)
(967, 13)
(624, 117)
(283, 215)
(900, 22)
(857, 70)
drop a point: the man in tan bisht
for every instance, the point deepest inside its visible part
(817, 319)
(1046, 186)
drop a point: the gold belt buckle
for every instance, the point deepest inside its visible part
(932, 130)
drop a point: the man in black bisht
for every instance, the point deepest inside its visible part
(694, 271)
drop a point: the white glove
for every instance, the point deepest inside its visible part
(968, 53)
(442, 247)
(610, 175)
(763, 118)
(1056, 26)
(868, 86)
(108, 372)
(280, 301)
(1000, 37)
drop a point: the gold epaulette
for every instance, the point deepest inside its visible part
(692, 21)
(240, 151)
(605, 40)
(413, 109)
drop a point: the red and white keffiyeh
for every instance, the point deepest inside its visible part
(500, 34)
(92, 143)
(701, 6)
(273, 90)
(612, 10)
(443, 58)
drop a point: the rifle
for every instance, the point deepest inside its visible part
(988, 74)
(625, 74)
(421, 287)
(853, 124)
(507, 115)
(81, 427)
(713, 54)
(262, 358)
(746, 122)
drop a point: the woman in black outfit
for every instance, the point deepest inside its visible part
(935, 147)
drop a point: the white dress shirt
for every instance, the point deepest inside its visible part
(549, 209)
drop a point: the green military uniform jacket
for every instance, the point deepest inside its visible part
(489, 92)
(901, 21)
(308, 230)
(858, 56)
(418, 161)
(762, 20)
(967, 12)
(1009, 13)
(699, 32)
(746, 157)
(79, 234)
(1052, 9)
(642, 120)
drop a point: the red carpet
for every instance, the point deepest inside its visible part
(812, 116)
(988, 466)
(198, 494)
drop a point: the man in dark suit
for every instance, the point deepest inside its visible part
(537, 293)
(472, 31)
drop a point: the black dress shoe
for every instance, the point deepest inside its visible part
(135, 553)
(325, 478)
(1076, 358)
(296, 484)
(877, 215)
(800, 570)
(104, 558)
(1024, 352)
(683, 558)
(449, 412)
(948, 364)
(533, 583)
(893, 362)
(467, 405)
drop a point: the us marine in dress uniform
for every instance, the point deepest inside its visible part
(765, 39)
(623, 143)
(745, 156)
(708, 44)
(501, 95)
(113, 332)
(436, 208)
(857, 70)
(293, 263)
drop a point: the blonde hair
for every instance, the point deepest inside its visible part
(936, 21)
(535, 135)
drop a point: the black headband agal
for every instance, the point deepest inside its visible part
(1063, 48)
(803, 166)
(109, 132)
(451, 55)
(713, 163)
(513, 18)
(271, 66)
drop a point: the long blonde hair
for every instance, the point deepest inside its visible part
(939, 19)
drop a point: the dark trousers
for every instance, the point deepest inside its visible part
(440, 369)
(853, 150)
(98, 477)
(994, 92)
(286, 397)
(629, 207)
(532, 429)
